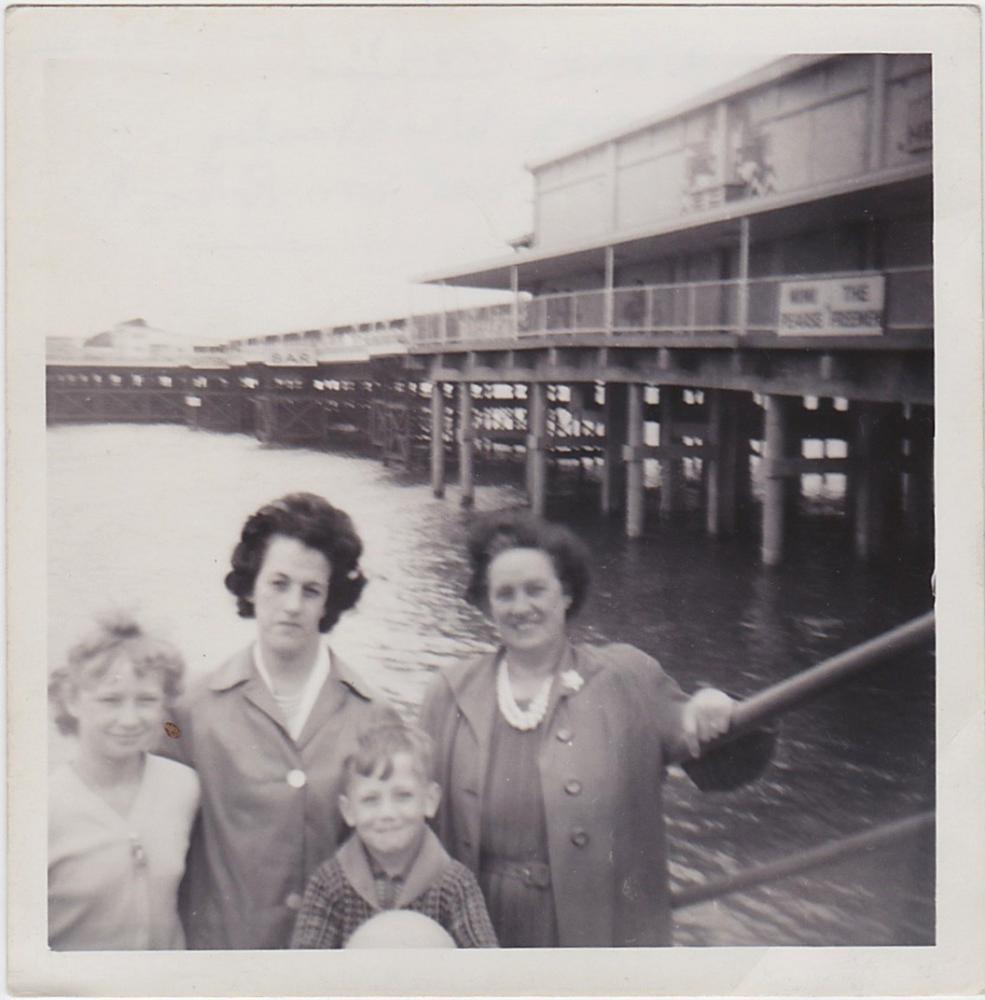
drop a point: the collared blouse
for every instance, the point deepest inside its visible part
(270, 810)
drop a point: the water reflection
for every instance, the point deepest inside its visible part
(146, 517)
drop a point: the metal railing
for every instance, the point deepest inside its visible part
(779, 698)
(682, 308)
(727, 308)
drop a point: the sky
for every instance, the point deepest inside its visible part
(231, 172)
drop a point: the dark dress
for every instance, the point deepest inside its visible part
(514, 870)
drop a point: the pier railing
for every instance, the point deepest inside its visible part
(729, 308)
(773, 701)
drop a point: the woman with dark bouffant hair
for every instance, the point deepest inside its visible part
(119, 817)
(268, 731)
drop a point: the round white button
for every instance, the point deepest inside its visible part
(297, 779)
(293, 901)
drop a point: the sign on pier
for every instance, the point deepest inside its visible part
(290, 355)
(832, 307)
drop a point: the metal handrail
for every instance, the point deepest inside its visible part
(428, 329)
(753, 712)
(802, 861)
(767, 704)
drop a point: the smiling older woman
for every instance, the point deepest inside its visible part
(550, 754)
(269, 730)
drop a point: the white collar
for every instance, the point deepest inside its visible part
(297, 715)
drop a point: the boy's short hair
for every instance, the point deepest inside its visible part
(379, 740)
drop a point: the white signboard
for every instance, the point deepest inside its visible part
(208, 359)
(290, 355)
(832, 307)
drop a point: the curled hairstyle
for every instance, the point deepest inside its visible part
(314, 522)
(518, 529)
(117, 636)
(379, 740)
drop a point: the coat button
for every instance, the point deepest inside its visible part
(563, 735)
(297, 778)
(579, 837)
(293, 901)
(573, 787)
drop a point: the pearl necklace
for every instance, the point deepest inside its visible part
(524, 719)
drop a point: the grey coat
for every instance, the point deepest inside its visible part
(601, 770)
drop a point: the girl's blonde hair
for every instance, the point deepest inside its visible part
(117, 635)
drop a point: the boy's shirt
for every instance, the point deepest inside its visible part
(388, 887)
(345, 892)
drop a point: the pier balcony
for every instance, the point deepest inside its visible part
(891, 307)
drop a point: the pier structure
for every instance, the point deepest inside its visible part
(736, 293)
(743, 283)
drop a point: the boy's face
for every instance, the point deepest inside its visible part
(388, 814)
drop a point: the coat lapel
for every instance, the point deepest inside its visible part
(240, 670)
(332, 698)
(466, 757)
(574, 663)
(355, 866)
(475, 694)
(426, 871)
(329, 701)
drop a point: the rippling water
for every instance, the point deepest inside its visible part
(146, 517)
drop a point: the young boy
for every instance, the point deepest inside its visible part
(393, 860)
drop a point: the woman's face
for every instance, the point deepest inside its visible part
(527, 602)
(289, 597)
(119, 714)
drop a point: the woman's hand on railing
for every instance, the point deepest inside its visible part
(707, 715)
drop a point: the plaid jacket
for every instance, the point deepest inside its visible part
(341, 895)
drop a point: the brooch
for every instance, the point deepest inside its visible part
(572, 681)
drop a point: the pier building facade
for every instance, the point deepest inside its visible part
(741, 286)
(753, 273)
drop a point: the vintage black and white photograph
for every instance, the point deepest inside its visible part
(489, 496)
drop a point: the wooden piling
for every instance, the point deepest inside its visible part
(614, 471)
(774, 489)
(670, 468)
(634, 461)
(876, 465)
(537, 447)
(466, 445)
(438, 439)
(919, 490)
(723, 433)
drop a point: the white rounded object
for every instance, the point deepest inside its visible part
(401, 929)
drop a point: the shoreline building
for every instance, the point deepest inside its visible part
(750, 270)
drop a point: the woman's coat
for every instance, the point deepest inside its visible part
(270, 810)
(601, 768)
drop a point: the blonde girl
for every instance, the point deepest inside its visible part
(119, 817)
